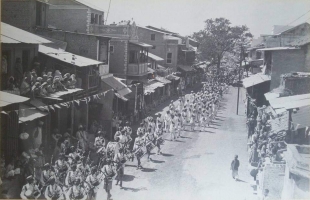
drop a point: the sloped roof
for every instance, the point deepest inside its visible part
(64, 56)
(255, 79)
(8, 99)
(305, 23)
(11, 34)
(88, 4)
(290, 102)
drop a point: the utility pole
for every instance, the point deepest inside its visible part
(240, 63)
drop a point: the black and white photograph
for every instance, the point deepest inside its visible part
(155, 99)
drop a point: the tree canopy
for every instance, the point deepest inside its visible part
(219, 39)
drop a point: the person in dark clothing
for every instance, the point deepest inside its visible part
(234, 167)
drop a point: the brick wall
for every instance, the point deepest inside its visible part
(162, 46)
(272, 178)
(20, 14)
(80, 44)
(286, 61)
(68, 19)
(118, 59)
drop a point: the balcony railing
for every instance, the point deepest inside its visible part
(137, 69)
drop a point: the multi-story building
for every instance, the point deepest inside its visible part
(70, 15)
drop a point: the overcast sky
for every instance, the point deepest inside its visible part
(188, 16)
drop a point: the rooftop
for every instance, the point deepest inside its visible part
(13, 35)
(67, 57)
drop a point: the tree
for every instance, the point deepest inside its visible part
(219, 38)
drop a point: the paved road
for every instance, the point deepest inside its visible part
(196, 166)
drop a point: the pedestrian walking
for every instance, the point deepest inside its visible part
(234, 167)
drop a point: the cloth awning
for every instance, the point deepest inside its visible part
(151, 86)
(186, 68)
(27, 113)
(290, 102)
(141, 44)
(301, 117)
(150, 70)
(162, 80)
(172, 77)
(11, 34)
(154, 57)
(117, 85)
(8, 99)
(255, 79)
(67, 57)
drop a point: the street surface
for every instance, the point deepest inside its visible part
(196, 166)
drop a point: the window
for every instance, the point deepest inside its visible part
(96, 19)
(92, 18)
(153, 47)
(132, 57)
(100, 20)
(258, 55)
(111, 49)
(169, 58)
(153, 37)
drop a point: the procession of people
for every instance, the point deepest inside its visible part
(74, 175)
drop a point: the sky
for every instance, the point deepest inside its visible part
(187, 16)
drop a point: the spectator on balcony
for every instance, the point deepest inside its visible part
(12, 85)
(25, 88)
(18, 71)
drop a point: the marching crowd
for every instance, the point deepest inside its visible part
(74, 175)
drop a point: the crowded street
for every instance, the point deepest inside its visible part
(196, 165)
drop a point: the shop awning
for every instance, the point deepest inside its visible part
(27, 113)
(154, 57)
(11, 34)
(8, 99)
(117, 85)
(301, 117)
(141, 44)
(38, 104)
(162, 80)
(271, 95)
(172, 77)
(151, 86)
(67, 57)
(278, 48)
(120, 96)
(186, 68)
(255, 79)
(290, 102)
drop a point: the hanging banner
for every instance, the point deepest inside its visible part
(280, 123)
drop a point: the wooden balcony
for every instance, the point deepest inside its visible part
(135, 69)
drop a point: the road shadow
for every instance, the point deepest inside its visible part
(148, 170)
(128, 178)
(167, 154)
(158, 161)
(178, 141)
(218, 119)
(134, 189)
(126, 165)
(212, 127)
(208, 131)
(186, 137)
(242, 181)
